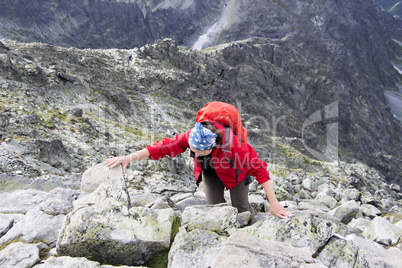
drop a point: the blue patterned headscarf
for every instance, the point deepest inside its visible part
(201, 138)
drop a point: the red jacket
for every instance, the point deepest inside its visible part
(232, 160)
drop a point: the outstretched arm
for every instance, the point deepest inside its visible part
(125, 160)
(275, 208)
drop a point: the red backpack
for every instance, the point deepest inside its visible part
(225, 114)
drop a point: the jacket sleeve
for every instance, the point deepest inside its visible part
(171, 147)
(256, 167)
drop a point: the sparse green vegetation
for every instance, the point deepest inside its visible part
(280, 3)
(42, 253)
(134, 131)
(175, 228)
(160, 260)
(396, 216)
(3, 246)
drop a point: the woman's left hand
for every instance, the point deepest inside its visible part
(115, 161)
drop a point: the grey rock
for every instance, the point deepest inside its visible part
(371, 254)
(195, 248)
(311, 184)
(6, 222)
(54, 153)
(192, 201)
(220, 218)
(3, 48)
(383, 232)
(139, 200)
(244, 218)
(69, 262)
(97, 175)
(103, 225)
(314, 204)
(307, 229)
(338, 253)
(32, 118)
(245, 250)
(77, 112)
(328, 200)
(21, 201)
(370, 210)
(162, 203)
(257, 202)
(353, 251)
(41, 246)
(65, 261)
(36, 225)
(346, 211)
(180, 197)
(59, 201)
(361, 224)
(19, 255)
(348, 194)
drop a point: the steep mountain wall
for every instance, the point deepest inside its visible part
(392, 6)
(125, 106)
(103, 24)
(302, 57)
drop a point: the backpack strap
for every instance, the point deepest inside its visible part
(227, 130)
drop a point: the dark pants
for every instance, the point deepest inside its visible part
(214, 189)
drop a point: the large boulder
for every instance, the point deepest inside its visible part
(202, 235)
(36, 225)
(59, 201)
(383, 232)
(196, 248)
(7, 221)
(221, 218)
(104, 228)
(245, 250)
(66, 261)
(21, 201)
(354, 251)
(346, 211)
(338, 252)
(307, 229)
(19, 255)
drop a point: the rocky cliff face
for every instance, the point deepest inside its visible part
(310, 56)
(156, 219)
(104, 24)
(64, 106)
(310, 89)
(392, 6)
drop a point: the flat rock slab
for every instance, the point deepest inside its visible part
(246, 250)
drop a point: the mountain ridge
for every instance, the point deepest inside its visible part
(327, 53)
(161, 78)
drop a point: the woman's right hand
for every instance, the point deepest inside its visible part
(115, 161)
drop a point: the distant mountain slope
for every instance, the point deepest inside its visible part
(288, 58)
(133, 23)
(103, 24)
(393, 6)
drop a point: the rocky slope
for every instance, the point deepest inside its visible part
(341, 55)
(104, 24)
(154, 219)
(312, 98)
(64, 110)
(70, 108)
(392, 6)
